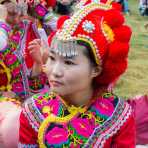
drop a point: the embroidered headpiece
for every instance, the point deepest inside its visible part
(100, 25)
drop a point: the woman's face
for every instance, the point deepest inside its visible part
(13, 17)
(68, 76)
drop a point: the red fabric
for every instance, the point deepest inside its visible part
(124, 138)
(140, 107)
(30, 36)
(27, 134)
(117, 6)
(51, 3)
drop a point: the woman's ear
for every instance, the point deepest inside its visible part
(96, 71)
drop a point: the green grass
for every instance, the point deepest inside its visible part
(135, 80)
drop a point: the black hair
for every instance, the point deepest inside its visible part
(88, 52)
(63, 9)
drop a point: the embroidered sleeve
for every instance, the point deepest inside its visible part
(37, 82)
(27, 135)
(126, 135)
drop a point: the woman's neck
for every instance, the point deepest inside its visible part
(79, 98)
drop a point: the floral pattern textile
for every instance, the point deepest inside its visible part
(14, 73)
(10, 65)
(59, 125)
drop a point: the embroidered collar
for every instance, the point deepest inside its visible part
(61, 127)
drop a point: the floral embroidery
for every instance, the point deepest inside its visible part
(40, 11)
(85, 128)
(57, 136)
(37, 82)
(103, 107)
(82, 127)
(88, 26)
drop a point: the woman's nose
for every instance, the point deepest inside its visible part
(57, 70)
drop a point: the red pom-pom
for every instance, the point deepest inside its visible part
(111, 71)
(61, 20)
(118, 51)
(117, 6)
(114, 18)
(123, 33)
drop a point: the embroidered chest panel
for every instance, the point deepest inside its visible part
(61, 126)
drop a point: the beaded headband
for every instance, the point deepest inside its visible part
(67, 32)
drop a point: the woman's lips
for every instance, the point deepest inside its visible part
(55, 83)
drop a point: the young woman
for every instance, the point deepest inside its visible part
(87, 53)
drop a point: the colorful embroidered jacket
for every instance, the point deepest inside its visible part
(46, 121)
(15, 68)
(10, 74)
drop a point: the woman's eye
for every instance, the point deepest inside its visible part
(51, 58)
(69, 63)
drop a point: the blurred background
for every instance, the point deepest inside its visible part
(135, 80)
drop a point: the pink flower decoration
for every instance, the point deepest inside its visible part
(83, 127)
(54, 106)
(40, 11)
(17, 87)
(16, 37)
(104, 106)
(57, 136)
(6, 27)
(10, 59)
(16, 71)
(21, 25)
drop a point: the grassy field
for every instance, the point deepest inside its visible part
(135, 80)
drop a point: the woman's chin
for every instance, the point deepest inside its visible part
(57, 90)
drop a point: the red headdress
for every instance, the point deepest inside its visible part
(102, 27)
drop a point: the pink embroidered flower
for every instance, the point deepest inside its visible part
(16, 71)
(16, 37)
(17, 87)
(10, 59)
(6, 27)
(104, 106)
(82, 126)
(53, 105)
(40, 11)
(57, 136)
(21, 25)
(13, 48)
